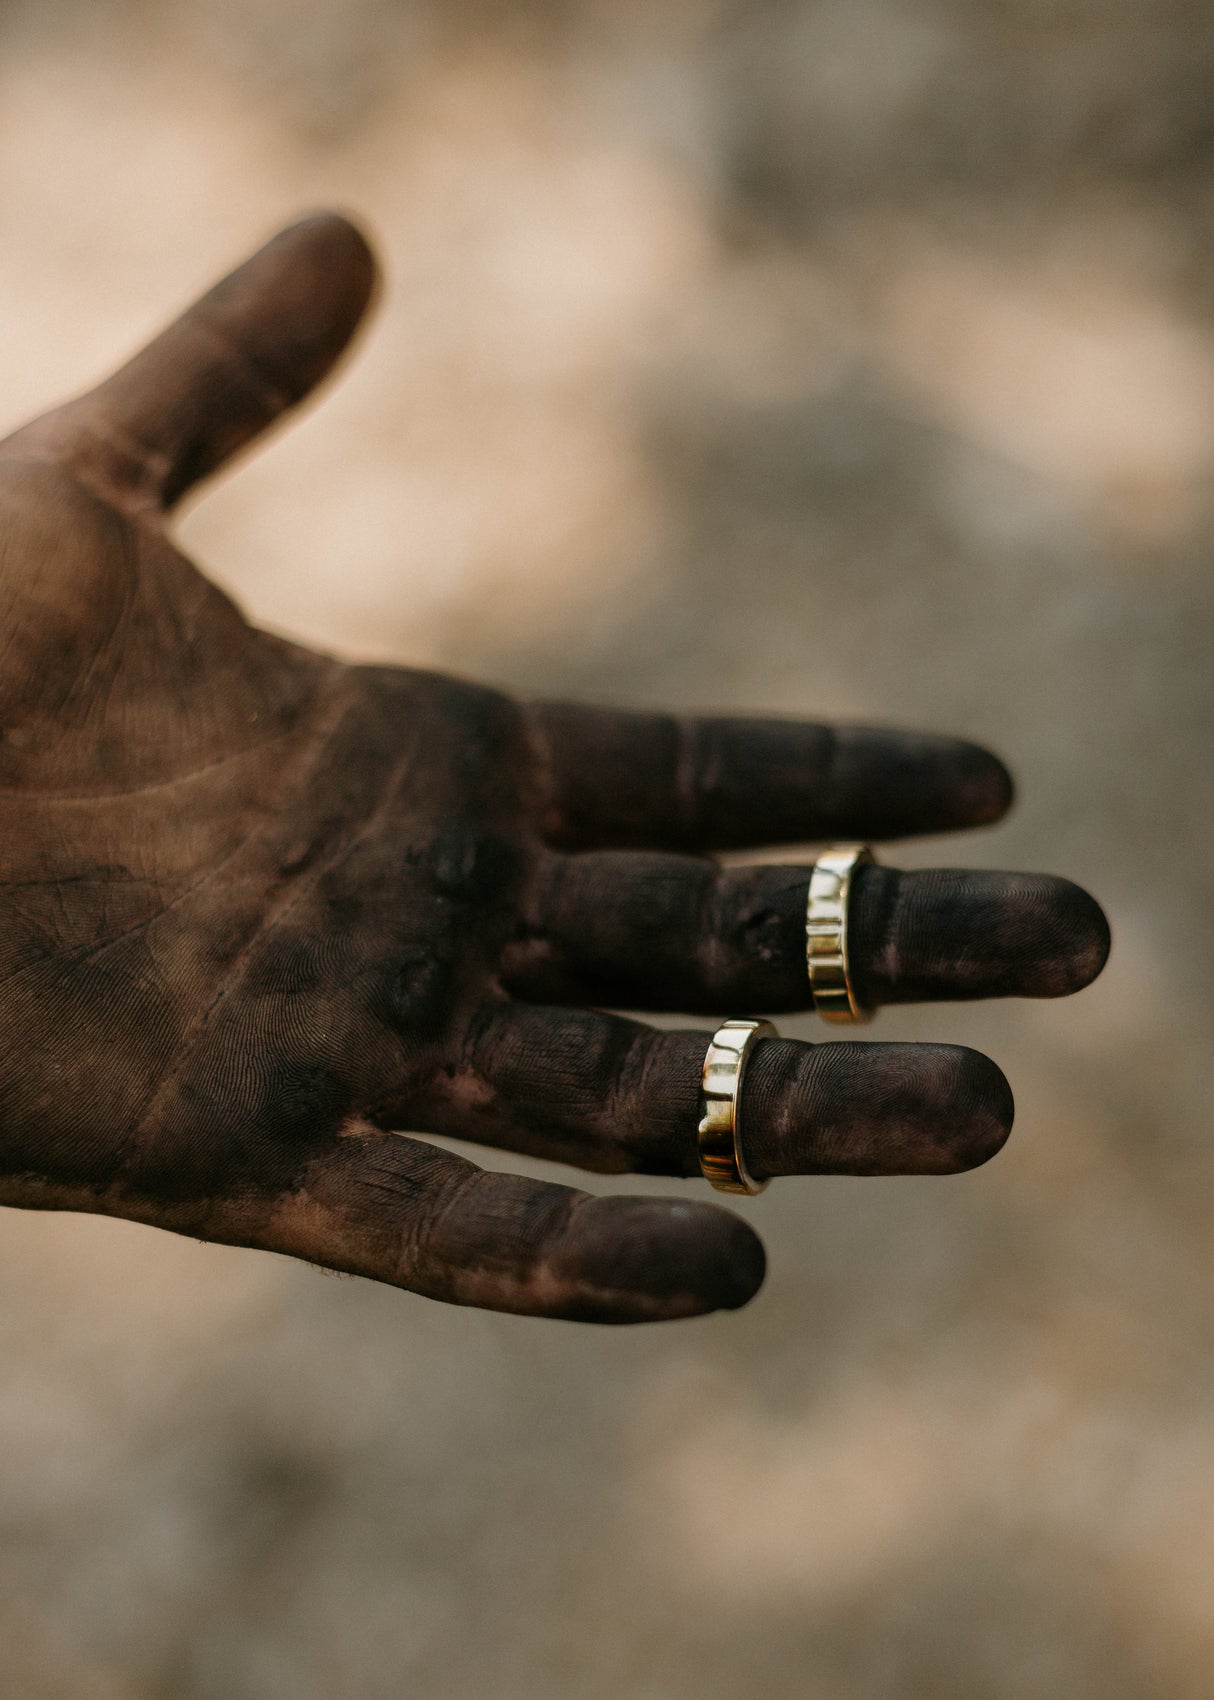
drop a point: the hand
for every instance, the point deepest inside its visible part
(258, 908)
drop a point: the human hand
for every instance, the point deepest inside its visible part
(258, 908)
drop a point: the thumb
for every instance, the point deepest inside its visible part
(251, 348)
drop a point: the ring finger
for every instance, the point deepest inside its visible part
(614, 1095)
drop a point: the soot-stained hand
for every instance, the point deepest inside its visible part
(260, 909)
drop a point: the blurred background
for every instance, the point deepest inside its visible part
(848, 358)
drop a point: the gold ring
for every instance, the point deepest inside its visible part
(830, 883)
(720, 1130)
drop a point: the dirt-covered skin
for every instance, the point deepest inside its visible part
(258, 908)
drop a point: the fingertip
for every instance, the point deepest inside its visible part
(630, 1259)
(1083, 940)
(308, 290)
(977, 1108)
(959, 784)
(895, 784)
(742, 1266)
(986, 787)
(957, 933)
(338, 246)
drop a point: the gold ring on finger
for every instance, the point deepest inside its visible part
(830, 885)
(720, 1133)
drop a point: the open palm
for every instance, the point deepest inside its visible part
(258, 909)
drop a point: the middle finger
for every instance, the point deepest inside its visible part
(635, 930)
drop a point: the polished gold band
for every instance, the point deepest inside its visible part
(720, 1132)
(826, 932)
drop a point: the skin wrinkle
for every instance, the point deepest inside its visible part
(104, 479)
(70, 684)
(273, 395)
(228, 759)
(684, 1160)
(271, 916)
(608, 1296)
(107, 479)
(207, 878)
(453, 1198)
(541, 763)
(31, 925)
(152, 462)
(627, 1084)
(363, 951)
(78, 688)
(104, 876)
(414, 1224)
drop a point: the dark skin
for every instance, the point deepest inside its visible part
(258, 909)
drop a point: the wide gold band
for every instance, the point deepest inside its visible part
(826, 932)
(720, 1132)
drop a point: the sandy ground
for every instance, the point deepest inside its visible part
(851, 358)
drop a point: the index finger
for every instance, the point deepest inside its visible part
(619, 779)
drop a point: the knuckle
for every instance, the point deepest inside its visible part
(468, 863)
(415, 990)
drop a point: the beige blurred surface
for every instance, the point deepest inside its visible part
(899, 316)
